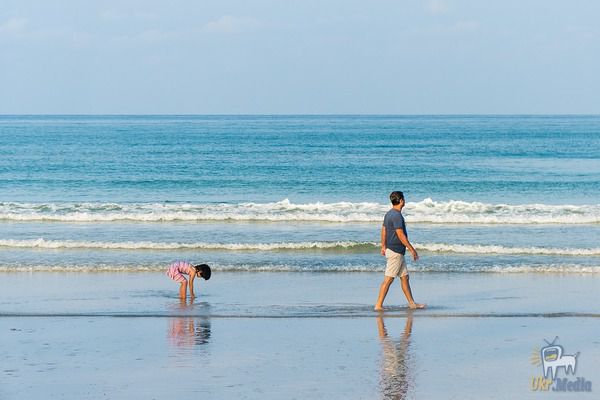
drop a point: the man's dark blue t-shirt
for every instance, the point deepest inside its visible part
(394, 220)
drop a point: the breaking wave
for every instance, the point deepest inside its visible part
(341, 246)
(426, 211)
(274, 268)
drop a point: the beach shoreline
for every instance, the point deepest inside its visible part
(245, 292)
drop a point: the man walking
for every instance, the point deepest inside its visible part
(394, 242)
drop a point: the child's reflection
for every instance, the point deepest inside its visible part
(395, 378)
(189, 331)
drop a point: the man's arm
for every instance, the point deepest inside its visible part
(406, 243)
(383, 240)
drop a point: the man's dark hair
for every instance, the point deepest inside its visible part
(396, 197)
(205, 269)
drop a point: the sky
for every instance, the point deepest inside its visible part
(300, 57)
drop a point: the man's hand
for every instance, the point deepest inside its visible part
(415, 255)
(383, 250)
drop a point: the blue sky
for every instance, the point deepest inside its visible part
(300, 57)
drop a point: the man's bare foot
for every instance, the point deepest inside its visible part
(378, 308)
(415, 306)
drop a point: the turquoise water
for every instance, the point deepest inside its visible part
(299, 193)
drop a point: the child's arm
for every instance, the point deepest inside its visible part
(191, 284)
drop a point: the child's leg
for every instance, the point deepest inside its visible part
(383, 290)
(183, 290)
(408, 293)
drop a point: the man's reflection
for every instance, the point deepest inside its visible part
(395, 378)
(188, 331)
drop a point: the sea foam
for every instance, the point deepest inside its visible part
(341, 246)
(425, 211)
(258, 268)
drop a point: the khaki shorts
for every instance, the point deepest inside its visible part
(396, 265)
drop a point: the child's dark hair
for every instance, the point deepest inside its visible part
(205, 269)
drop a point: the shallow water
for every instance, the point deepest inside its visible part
(337, 358)
(273, 335)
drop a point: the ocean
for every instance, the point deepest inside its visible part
(488, 194)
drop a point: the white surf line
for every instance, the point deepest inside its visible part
(41, 243)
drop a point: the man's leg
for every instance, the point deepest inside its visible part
(408, 293)
(383, 290)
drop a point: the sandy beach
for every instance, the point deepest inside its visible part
(289, 335)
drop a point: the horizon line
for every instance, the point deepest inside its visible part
(303, 115)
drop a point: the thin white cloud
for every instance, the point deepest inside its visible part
(229, 24)
(466, 27)
(14, 26)
(156, 36)
(114, 14)
(437, 7)
(22, 31)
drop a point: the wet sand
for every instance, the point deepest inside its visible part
(290, 335)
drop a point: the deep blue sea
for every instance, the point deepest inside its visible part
(298, 193)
